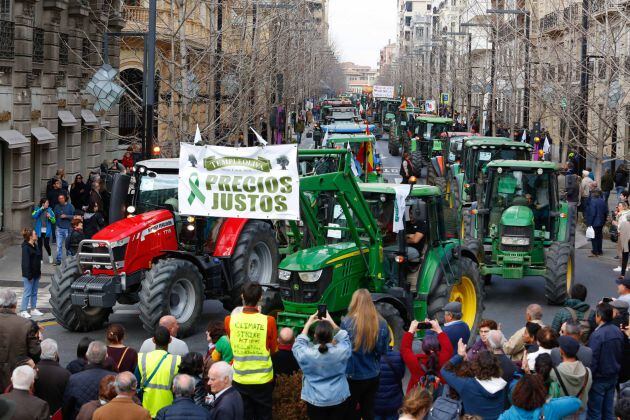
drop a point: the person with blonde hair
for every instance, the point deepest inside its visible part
(416, 405)
(369, 336)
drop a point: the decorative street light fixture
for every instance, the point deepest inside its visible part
(104, 89)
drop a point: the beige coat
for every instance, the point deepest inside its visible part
(624, 231)
(515, 346)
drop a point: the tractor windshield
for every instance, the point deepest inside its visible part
(159, 192)
(479, 157)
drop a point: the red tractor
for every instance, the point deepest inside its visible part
(167, 263)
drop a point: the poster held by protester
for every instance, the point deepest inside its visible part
(244, 182)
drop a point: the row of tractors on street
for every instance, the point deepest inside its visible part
(489, 210)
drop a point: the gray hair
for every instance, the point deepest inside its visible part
(49, 349)
(125, 382)
(572, 328)
(496, 339)
(96, 352)
(23, 377)
(183, 385)
(224, 369)
(535, 311)
(8, 298)
(455, 315)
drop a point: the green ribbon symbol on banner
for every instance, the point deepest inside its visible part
(193, 182)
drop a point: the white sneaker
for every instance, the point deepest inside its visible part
(617, 270)
(36, 312)
(25, 314)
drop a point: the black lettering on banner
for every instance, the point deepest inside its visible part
(281, 203)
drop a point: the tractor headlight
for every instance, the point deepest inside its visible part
(310, 276)
(131, 209)
(515, 240)
(284, 275)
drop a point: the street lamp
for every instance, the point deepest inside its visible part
(526, 87)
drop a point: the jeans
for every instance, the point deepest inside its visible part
(62, 235)
(362, 394)
(30, 293)
(596, 242)
(256, 400)
(619, 191)
(299, 137)
(601, 399)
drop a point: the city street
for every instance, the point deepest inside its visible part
(505, 299)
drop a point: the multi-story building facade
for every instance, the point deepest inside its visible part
(358, 77)
(49, 51)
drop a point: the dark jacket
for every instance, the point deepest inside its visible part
(73, 241)
(183, 408)
(68, 211)
(51, 383)
(596, 212)
(82, 387)
(18, 337)
(507, 367)
(477, 399)
(31, 261)
(76, 366)
(581, 308)
(229, 406)
(475, 349)
(456, 330)
(607, 344)
(92, 223)
(27, 406)
(79, 195)
(389, 396)
(621, 178)
(284, 362)
(584, 355)
(362, 364)
(607, 182)
(52, 195)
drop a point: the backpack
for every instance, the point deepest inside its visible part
(572, 187)
(445, 408)
(585, 324)
(431, 382)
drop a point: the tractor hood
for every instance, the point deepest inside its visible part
(517, 216)
(142, 224)
(316, 258)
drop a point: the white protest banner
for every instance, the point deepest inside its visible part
(383, 92)
(402, 191)
(244, 182)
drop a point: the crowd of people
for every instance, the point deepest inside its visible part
(578, 367)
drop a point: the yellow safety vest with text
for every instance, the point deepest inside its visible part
(157, 393)
(248, 337)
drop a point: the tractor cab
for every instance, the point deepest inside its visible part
(456, 145)
(431, 135)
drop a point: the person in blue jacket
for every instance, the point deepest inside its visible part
(324, 385)
(370, 337)
(596, 214)
(389, 397)
(484, 394)
(529, 402)
(44, 218)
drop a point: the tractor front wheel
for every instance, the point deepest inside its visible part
(69, 316)
(255, 258)
(468, 291)
(417, 162)
(559, 276)
(172, 287)
(393, 144)
(434, 179)
(394, 321)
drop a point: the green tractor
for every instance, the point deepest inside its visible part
(521, 227)
(348, 241)
(386, 110)
(469, 173)
(429, 147)
(400, 128)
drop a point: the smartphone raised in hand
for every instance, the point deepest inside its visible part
(424, 325)
(321, 311)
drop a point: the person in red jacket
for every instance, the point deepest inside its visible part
(436, 351)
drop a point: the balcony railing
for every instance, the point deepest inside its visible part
(137, 17)
(601, 8)
(7, 39)
(38, 45)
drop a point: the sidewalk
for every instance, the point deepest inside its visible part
(11, 278)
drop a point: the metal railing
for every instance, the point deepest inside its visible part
(7, 39)
(38, 45)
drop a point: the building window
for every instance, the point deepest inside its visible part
(453, 2)
(60, 79)
(7, 39)
(407, 20)
(409, 6)
(5, 9)
(63, 49)
(38, 45)
(407, 36)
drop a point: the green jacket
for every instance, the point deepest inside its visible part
(563, 315)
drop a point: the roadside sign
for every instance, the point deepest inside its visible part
(383, 91)
(445, 98)
(430, 107)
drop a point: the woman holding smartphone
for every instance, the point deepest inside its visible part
(324, 387)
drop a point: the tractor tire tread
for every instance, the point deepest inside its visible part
(557, 260)
(394, 320)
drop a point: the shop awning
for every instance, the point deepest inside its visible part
(88, 117)
(14, 139)
(66, 118)
(42, 135)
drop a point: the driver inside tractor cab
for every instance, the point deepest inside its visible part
(415, 238)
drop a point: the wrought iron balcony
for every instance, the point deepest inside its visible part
(7, 39)
(38, 45)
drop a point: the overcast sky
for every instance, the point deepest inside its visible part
(360, 28)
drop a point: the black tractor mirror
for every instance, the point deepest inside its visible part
(419, 211)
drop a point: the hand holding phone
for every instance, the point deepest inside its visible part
(424, 325)
(321, 311)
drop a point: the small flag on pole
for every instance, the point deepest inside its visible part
(259, 137)
(197, 135)
(325, 140)
(524, 136)
(547, 145)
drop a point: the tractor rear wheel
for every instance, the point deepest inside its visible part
(468, 291)
(172, 287)
(417, 162)
(394, 321)
(393, 144)
(69, 316)
(434, 179)
(559, 277)
(255, 258)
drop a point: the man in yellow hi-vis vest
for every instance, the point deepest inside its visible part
(253, 337)
(155, 373)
